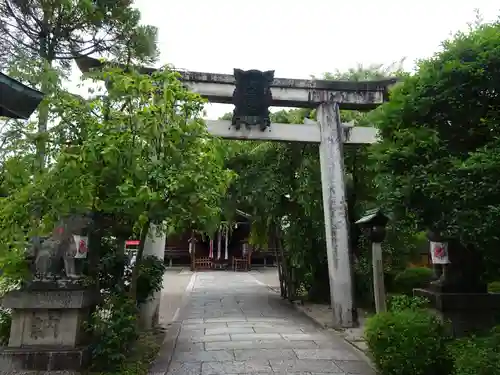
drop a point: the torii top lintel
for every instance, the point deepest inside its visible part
(301, 93)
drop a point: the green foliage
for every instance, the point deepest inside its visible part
(143, 353)
(62, 29)
(411, 278)
(403, 302)
(141, 155)
(150, 278)
(114, 332)
(494, 287)
(439, 133)
(407, 342)
(5, 323)
(477, 355)
(280, 185)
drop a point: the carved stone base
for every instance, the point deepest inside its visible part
(47, 332)
(467, 312)
(21, 360)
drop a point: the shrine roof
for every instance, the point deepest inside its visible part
(17, 100)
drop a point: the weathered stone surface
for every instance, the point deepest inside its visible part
(210, 338)
(251, 354)
(260, 344)
(355, 367)
(47, 330)
(257, 333)
(229, 330)
(48, 299)
(305, 336)
(256, 336)
(186, 346)
(47, 327)
(18, 360)
(296, 365)
(235, 367)
(204, 356)
(184, 368)
(331, 354)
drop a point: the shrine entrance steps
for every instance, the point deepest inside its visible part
(232, 323)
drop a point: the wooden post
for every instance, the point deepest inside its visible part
(335, 211)
(378, 278)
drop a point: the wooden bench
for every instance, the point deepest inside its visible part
(175, 253)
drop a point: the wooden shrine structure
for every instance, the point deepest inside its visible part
(252, 93)
(227, 249)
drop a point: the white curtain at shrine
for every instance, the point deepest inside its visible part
(226, 243)
(219, 238)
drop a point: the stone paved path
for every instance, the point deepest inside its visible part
(233, 324)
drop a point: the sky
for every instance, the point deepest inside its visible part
(300, 38)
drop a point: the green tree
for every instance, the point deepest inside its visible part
(439, 158)
(280, 185)
(141, 155)
(40, 38)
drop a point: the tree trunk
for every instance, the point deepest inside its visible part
(138, 261)
(149, 313)
(278, 259)
(120, 254)
(47, 58)
(286, 272)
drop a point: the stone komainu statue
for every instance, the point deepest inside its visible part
(55, 255)
(252, 98)
(464, 271)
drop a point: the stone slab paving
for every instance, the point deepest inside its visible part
(175, 282)
(232, 324)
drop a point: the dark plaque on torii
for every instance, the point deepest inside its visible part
(252, 98)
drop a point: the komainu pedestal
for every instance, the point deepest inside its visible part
(467, 313)
(48, 330)
(459, 294)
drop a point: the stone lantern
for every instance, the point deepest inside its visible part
(375, 222)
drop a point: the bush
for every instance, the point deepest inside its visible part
(408, 342)
(476, 355)
(411, 278)
(494, 287)
(143, 353)
(403, 302)
(5, 323)
(114, 331)
(150, 278)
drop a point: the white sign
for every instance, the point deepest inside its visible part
(81, 244)
(439, 252)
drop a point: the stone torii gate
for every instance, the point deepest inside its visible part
(328, 97)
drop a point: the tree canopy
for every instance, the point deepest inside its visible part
(139, 155)
(437, 164)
